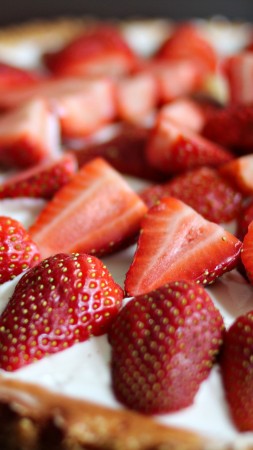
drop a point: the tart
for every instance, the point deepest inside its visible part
(65, 400)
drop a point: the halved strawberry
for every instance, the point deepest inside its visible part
(238, 70)
(42, 180)
(204, 190)
(18, 252)
(176, 243)
(63, 300)
(101, 50)
(93, 213)
(185, 112)
(29, 135)
(239, 171)
(187, 43)
(136, 97)
(231, 126)
(164, 345)
(236, 371)
(15, 77)
(174, 148)
(82, 105)
(122, 145)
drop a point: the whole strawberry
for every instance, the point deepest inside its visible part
(18, 252)
(237, 373)
(163, 346)
(63, 300)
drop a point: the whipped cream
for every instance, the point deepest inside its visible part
(83, 371)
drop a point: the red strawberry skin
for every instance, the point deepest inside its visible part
(177, 243)
(14, 77)
(236, 370)
(245, 218)
(41, 181)
(18, 252)
(163, 346)
(204, 190)
(63, 300)
(247, 252)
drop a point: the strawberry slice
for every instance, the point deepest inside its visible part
(185, 112)
(14, 77)
(29, 135)
(238, 70)
(40, 181)
(204, 190)
(136, 97)
(122, 145)
(236, 370)
(176, 243)
(95, 98)
(164, 345)
(101, 50)
(76, 298)
(94, 213)
(239, 172)
(231, 127)
(18, 252)
(187, 43)
(173, 148)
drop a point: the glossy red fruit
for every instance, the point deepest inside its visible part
(238, 70)
(63, 300)
(236, 371)
(239, 172)
(247, 252)
(18, 252)
(176, 243)
(163, 346)
(244, 219)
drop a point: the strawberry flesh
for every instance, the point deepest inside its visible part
(163, 346)
(63, 300)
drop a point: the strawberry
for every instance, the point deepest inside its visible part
(28, 135)
(231, 127)
(95, 98)
(185, 112)
(239, 172)
(63, 300)
(204, 190)
(122, 145)
(40, 181)
(101, 50)
(136, 97)
(244, 220)
(176, 243)
(236, 370)
(247, 252)
(15, 77)
(173, 148)
(18, 252)
(164, 345)
(187, 43)
(238, 70)
(93, 213)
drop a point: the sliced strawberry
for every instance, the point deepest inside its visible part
(244, 219)
(83, 105)
(74, 299)
(136, 97)
(185, 112)
(14, 77)
(93, 213)
(173, 148)
(29, 135)
(122, 145)
(187, 43)
(239, 172)
(204, 190)
(42, 180)
(18, 252)
(164, 345)
(176, 243)
(231, 127)
(238, 70)
(236, 370)
(101, 50)
(247, 252)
